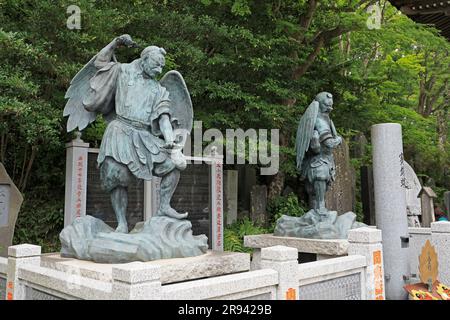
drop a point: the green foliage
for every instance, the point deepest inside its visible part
(40, 222)
(234, 234)
(285, 205)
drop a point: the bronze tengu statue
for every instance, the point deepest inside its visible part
(148, 121)
(315, 141)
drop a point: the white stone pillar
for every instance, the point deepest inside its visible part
(18, 256)
(136, 281)
(440, 239)
(216, 195)
(367, 242)
(76, 180)
(390, 205)
(283, 260)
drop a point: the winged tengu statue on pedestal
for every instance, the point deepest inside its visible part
(148, 121)
(315, 141)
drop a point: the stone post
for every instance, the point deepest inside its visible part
(440, 239)
(151, 197)
(18, 256)
(216, 196)
(367, 242)
(136, 281)
(447, 203)
(390, 205)
(283, 260)
(427, 196)
(76, 180)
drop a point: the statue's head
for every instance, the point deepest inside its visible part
(153, 60)
(325, 100)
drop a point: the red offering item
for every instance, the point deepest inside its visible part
(419, 291)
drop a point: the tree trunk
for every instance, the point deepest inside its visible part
(276, 185)
(28, 170)
(442, 128)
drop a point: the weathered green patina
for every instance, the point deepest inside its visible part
(315, 141)
(148, 121)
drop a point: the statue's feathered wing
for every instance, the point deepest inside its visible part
(79, 86)
(305, 131)
(78, 90)
(180, 99)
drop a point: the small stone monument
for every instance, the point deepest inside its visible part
(413, 187)
(427, 197)
(340, 196)
(10, 201)
(258, 204)
(447, 203)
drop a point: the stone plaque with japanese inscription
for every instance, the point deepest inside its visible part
(5, 193)
(10, 201)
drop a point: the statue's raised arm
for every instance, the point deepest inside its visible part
(88, 97)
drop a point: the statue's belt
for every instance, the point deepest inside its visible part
(134, 123)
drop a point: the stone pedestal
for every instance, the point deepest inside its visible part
(208, 265)
(324, 249)
(390, 205)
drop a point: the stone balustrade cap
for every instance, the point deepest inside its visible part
(136, 272)
(279, 253)
(440, 226)
(364, 235)
(77, 144)
(24, 250)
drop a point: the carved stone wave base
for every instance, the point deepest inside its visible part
(317, 226)
(89, 238)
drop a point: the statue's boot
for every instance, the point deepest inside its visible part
(119, 201)
(169, 183)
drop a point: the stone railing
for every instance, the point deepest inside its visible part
(33, 279)
(417, 239)
(359, 275)
(281, 277)
(362, 244)
(254, 285)
(439, 236)
(342, 278)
